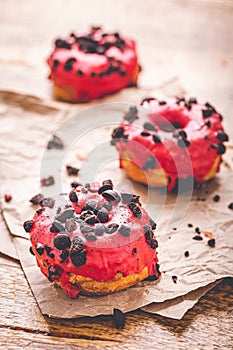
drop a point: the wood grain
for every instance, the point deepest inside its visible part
(23, 325)
(191, 39)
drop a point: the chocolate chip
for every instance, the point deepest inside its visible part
(7, 198)
(188, 106)
(174, 278)
(85, 214)
(152, 278)
(124, 230)
(91, 219)
(149, 235)
(192, 100)
(208, 124)
(37, 199)
(68, 67)
(90, 236)
(92, 205)
(230, 206)
(107, 182)
(57, 227)
(28, 225)
(49, 181)
(73, 197)
(62, 44)
(221, 149)
(131, 115)
(136, 211)
(66, 214)
(134, 251)
(112, 195)
(182, 143)
(70, 225)
(71, 60)
(72, 170)
(190, 225)
(105, 188)
(180, 99)
(186, 254)
(127, 197)
(211, 242)
(75, 184)
(53, 273)
(156, 138)
(148, 126)
(47, 202)
(147, 99)
(153, 224)
(145, 134)
(102, 215)
(55, 64)
(197, 238)
(117, 134)
(39, 211)
(207, 104)
(222, 136)
(150, 163)
(107, 205)
(31, 251)
(77, 244)
(99, 229)
(39, 248)
(162, 103)
(62, 241)
(118, 319)
(206, 113)
(197, 230)
(111, 228)
(220, 117)
(80, 73)
(64, 255)
(216, 198)
(84, 227)
(55, 143)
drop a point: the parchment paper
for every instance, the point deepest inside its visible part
(22, 153)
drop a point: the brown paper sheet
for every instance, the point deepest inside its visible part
(20, 174)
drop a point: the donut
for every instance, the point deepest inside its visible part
(92, 65)
(158, 139)
(94, 241)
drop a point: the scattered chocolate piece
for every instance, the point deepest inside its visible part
(72, 170)
(186, 254)
(188, 106)
(62, 241)
(183, 143)
(208, 124)
(112, 195)
(145, 134)
(230, 206)
(73, 197)
(197, 238)
(147, 99)
(136, 211)
(216, 198)
(85, 228)
(64, 255)
(197, 230)
(49, 181)
(99, 229)
(31, 251)
(107, 182)
(55, 143)
(53, 272)
(66, 214)
(149, 234)
(80, 72)
(47, 202)
(111, 228)
(118, 318)
(221, 149)
(39, 248)
(124, 230)
(62, 44)
(102, 215)
(36, 199)
(70, 225)
(78, 258)
(190, 225)
(105, 188)
(28, 225)
(90, 236)
(91, 204)
(134, 251)
(7, 198)
(174, 278)
(40, 210)
(148, 126)
(153, 224)
(127, 197)
(211, 243)
(192, 100)
(90, 219)
(131, 115)
(206, 113)
(222, 136)
(117, 134)
(57, 227)
(75, 184)
(156, 138)
(162, 103)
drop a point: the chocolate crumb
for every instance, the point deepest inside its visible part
(78, 258)
(112, 195)
(118, 318)
(73, 197)
(190, 225)
(64, 255)
(36, 199)
(57, 227)
(75, 184)
(136, 211)
(186, 254)
(28, 225)
(31, 251)
(211, 242)
(111, 228)
(134, 251)
(124, 230)
(72, 170)
(49, 181)
(131, 115)
(230, 206)
(197, 230)
(216, 198)
(156, 139)
(174, 278)
(39, 248)
(47, 202)
(55, 143)
(222, 136)
(197, 238)
(66, 214)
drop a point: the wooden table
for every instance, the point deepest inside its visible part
(190, 39)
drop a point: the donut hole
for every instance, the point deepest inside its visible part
(170, 120)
